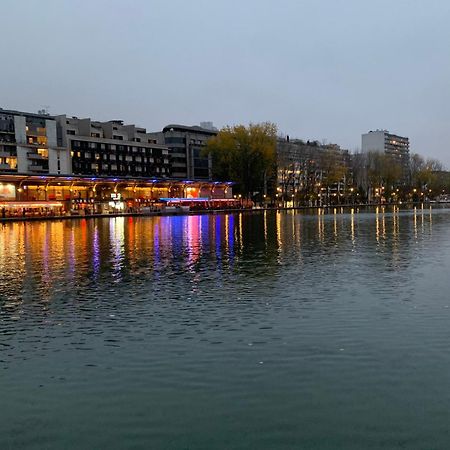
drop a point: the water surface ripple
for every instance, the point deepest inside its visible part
(241, 331)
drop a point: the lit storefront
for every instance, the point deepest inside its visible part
(30, 195)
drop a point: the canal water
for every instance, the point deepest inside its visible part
(242, 331)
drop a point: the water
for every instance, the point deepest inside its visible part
(245, 331)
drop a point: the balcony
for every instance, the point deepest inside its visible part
(37, 168)
(34, 144)
(37, 156)
(8, 140)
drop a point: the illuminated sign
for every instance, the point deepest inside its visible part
(115, 196)
(7, 191)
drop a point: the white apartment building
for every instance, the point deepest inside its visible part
(28, 144)
(383, 141)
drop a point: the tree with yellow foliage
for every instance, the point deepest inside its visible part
(245, 155)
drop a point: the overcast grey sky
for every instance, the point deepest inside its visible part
(320, 69)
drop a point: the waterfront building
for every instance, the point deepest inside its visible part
(311, 171)
(112, 149)
(28, 144)
(66, 165)
(186, 148)
(388, 143)
(79, 195)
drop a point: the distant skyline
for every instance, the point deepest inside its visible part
(320, 69)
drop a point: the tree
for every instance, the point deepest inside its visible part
(246, 155)
(424, 173)
(334, 169)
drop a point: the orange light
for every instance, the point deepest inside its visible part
(31, 204)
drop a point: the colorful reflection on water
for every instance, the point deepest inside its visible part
(321, 329)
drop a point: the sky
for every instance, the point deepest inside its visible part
(320, 69)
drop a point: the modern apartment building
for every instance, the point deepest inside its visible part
(186, 145)
(28, 144)
(112, 148)
(390, 144)
(303, 165)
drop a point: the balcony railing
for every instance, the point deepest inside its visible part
(32, 155)
(36, 168)
(5, 166)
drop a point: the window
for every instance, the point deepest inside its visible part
(174, 140)
(71, 132)
(43, 152)
(117, 137)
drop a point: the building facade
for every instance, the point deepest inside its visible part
(186, 148)
(65, 165)
(112, 149)
(41, 195)
(388, 143)
(28, 144)
(312, 172)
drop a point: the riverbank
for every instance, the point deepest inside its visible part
(205, 212)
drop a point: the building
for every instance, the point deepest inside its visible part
(69, 166)
(390, 144)
(310, 171)
(28, 144)
(186, 146)
(112, 149)
(47, 195)
(208, 126)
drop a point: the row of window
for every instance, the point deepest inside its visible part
(118, 169)
(115, 136)
(113, 157)
(120, 148)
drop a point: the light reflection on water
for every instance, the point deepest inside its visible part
(266, 330)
